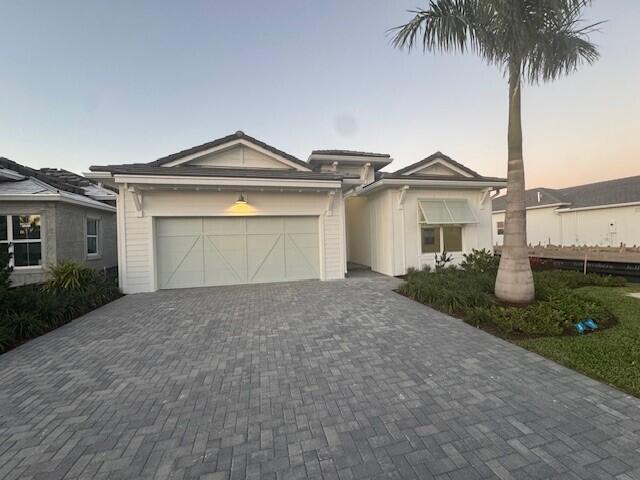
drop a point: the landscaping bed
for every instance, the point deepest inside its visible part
(72, 289)
(546, 326)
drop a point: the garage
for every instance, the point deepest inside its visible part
(210, 251)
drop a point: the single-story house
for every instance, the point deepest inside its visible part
(237, 210)
(603, 214)
(49, 215)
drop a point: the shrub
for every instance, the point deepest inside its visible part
(70, 276)
(5, 271)
(452, 290)
(469, 292)
(6, 336)
(24, 324)
(71, 290)
(480, 261)
(443, 260)
(549, 280)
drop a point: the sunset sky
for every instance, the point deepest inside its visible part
(87, 83)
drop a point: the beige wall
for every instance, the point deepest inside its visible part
(544, 227)
(474, 236)
(602, 227)
(580, 227)
(395, 233)
(358, 240)
(381, 234)
(136, 233)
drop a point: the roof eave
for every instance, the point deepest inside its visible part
(457, 184)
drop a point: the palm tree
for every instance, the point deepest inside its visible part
(530, 40)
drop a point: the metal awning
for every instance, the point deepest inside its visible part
(446, 211)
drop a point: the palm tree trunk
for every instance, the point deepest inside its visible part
(514, 283)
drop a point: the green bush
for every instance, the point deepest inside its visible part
(449, 289)
(469, 293)
(71, 290)
(480, 261)
(70, 276)
(23, 325)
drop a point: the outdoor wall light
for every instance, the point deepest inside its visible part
(241, 200)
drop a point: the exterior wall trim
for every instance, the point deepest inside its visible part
(56, 197)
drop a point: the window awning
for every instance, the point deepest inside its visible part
(446, 211)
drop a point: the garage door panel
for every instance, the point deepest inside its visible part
(224, 226)
(180, 264)
(301, 225)
(225, 259)
(193, 252)
(179, 226)
(265, 257)
(302, 258)
(264, 225)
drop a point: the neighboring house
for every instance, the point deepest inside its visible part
(236, 210)
(597, 214)
(50, 215)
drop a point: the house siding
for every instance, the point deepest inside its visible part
(381, 237)
(581, 227)
(137, 262)
(358, 230)
(63, 230)
(474, 235)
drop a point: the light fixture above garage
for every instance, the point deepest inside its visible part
(241, 200)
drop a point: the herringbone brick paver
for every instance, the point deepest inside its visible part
(335, 380)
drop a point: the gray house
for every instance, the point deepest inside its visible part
(50, 215)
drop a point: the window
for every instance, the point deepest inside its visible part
(93, 227)
(500, 228)
(20, 236)
(430, 239)
(436, 239)
(441, 222)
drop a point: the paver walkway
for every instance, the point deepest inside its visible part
(341, 379)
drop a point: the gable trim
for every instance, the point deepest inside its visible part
(439, 161)
(438, 155)
(225, 142)
(231, 144)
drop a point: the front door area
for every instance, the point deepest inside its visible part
(209, 251)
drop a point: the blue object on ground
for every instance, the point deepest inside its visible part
(590, 323)
(580, 328)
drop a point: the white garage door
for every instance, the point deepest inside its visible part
(195, 252)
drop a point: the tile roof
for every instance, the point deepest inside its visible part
(147, 169)
(221, 141)
(49, 180)
(609, 192)
(353, 153)
(31, 172)
(435, 156)
(453, 178)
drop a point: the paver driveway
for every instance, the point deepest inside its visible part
(341, 379)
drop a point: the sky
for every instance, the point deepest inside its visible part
(101, 82)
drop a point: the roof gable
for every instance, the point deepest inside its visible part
(438, 164)
(238, 150)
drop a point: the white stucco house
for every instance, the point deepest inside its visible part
(604, 214)
(237, 210)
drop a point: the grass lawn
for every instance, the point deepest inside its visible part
(611, 356)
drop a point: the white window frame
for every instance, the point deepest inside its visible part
(10, 241)
(96, 236)
(441, 228)
(498, 228)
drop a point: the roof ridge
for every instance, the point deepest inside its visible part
(37, 174)
(434, 156)
(222, 140)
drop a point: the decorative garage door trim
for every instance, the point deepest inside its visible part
(208, 251)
